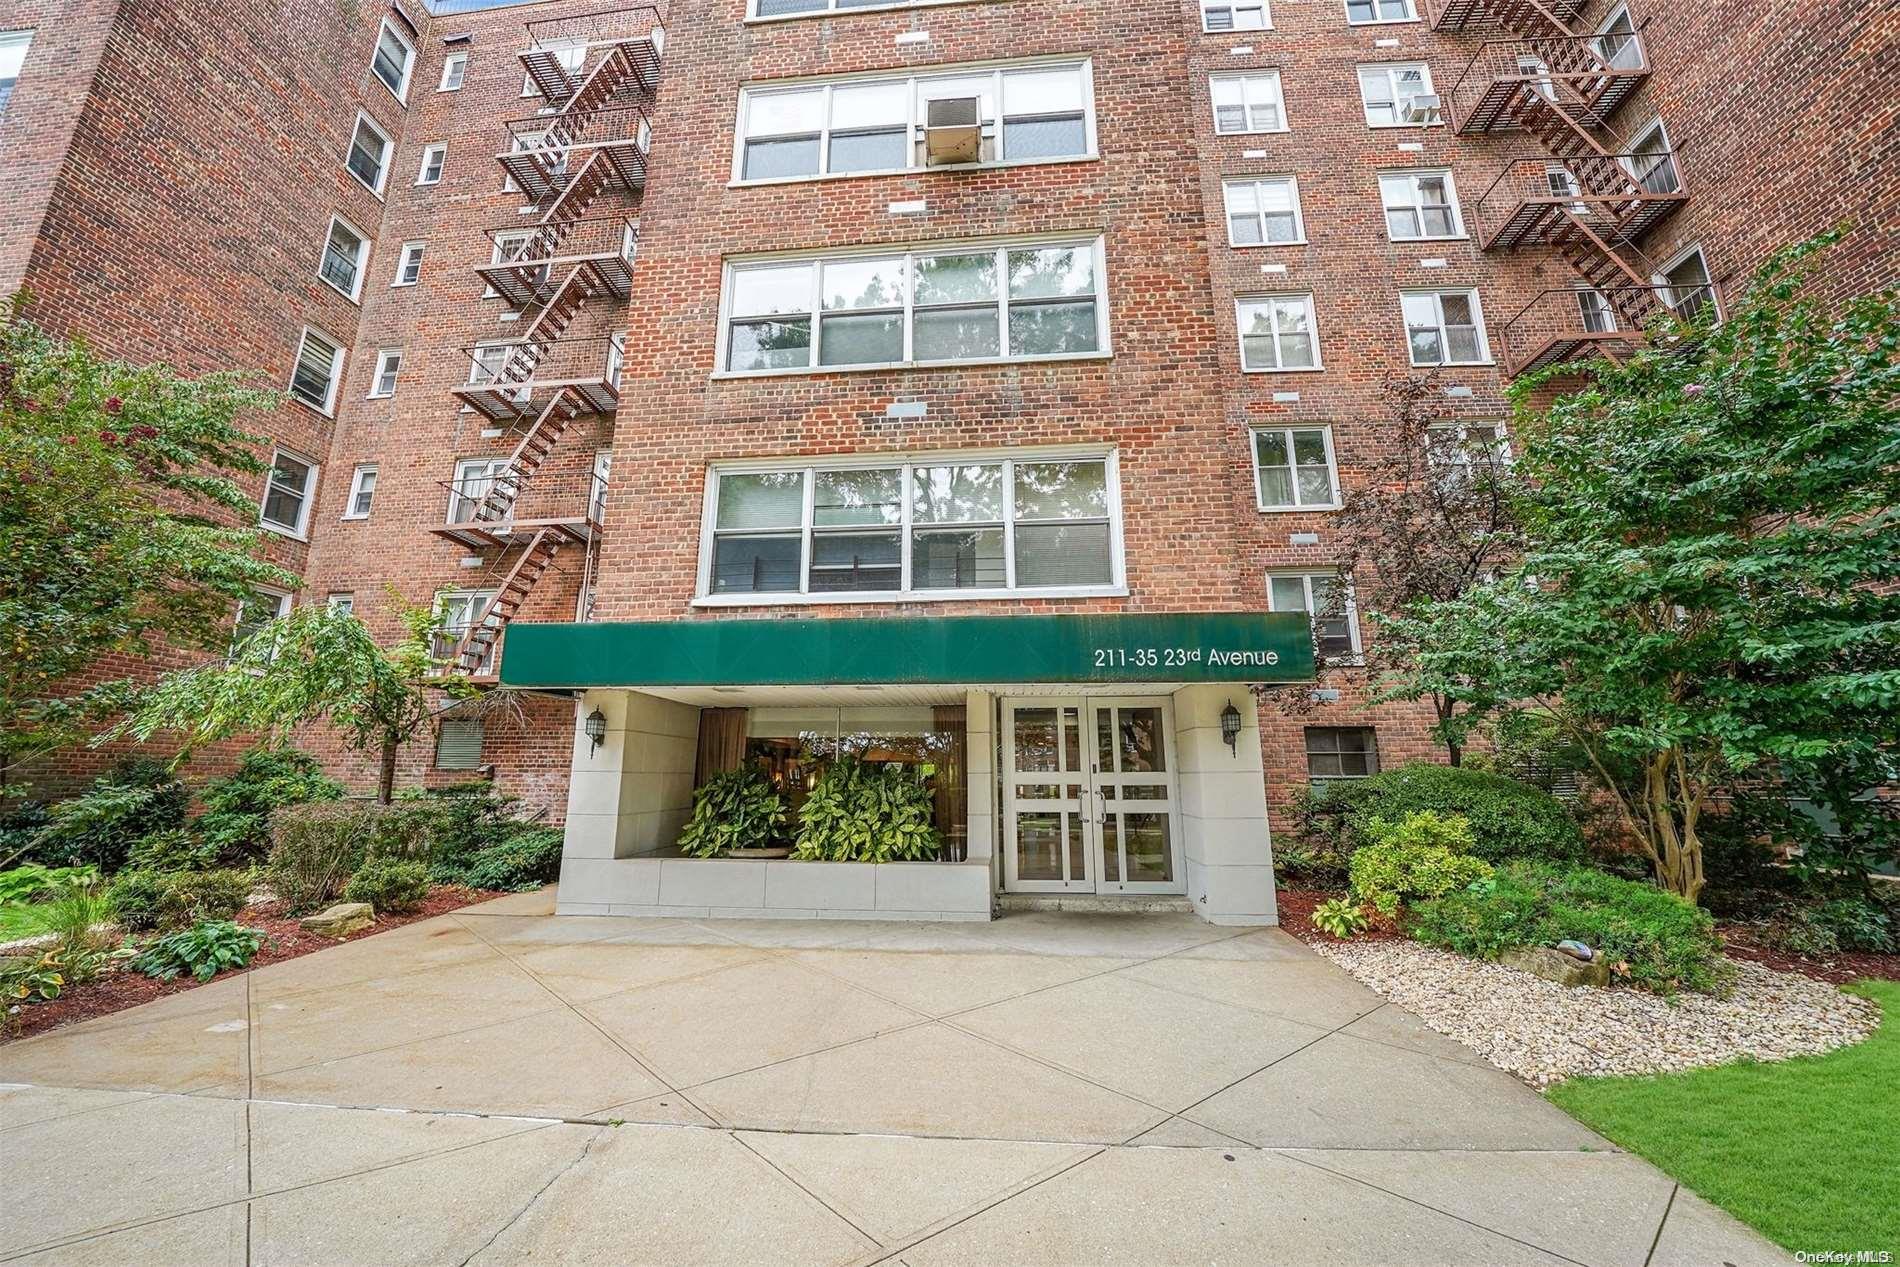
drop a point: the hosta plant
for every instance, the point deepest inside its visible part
(737, 809)
(1339, 918)
(204, 950)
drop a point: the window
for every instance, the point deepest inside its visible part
(369, 154)
(1277, 333)
(388, 366)
(1652, 162)
(1247, 103)
(603, 470)
(1293, 469)
(433, 157)
(1445, 327)
(256, 613)
(395, 57)
(1593, 309)
(340, 604)
(949, 303)
(855, 126)
(13, 46)
(1458, 451)
(1617, 43)
(1341, 752)
(457, 611)
(318, 370)
(1235, 15)
(458, 743)
(1391, 95)
(475, 478)
(958, 526)
(1420, 206)
(1687, 288)
(345, 252)
(1328, 601)
(1367, 12)
(409, 264)
(454, 70)
(1263, 212)
(287, 491)
(362, 493)
(571, 58)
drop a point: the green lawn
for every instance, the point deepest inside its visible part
(1806, 1151)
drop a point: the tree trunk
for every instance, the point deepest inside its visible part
(1676, 850)
(1455, 753)
(386, 784)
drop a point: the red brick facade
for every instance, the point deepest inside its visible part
(184, 160)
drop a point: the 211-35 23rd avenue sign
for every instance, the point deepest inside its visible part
(817, 651)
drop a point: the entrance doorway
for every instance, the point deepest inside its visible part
(1089, 796)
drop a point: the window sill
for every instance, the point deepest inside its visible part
(755, 20)
(925, 596)
(1256, 132)
(277, 531)
(1401, 127)
(1456, 237)
(355, 299)
(353, 518)
(1257, 246)
(1297, 369)
(827, 177)
(886, 366)
(1352, 25)
(1455, 365)
(1297, 510)
(1237, 30)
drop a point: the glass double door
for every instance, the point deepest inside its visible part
(1089, 797)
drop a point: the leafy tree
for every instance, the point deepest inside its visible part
(313, 665)
(118, 500)
(1707, 590)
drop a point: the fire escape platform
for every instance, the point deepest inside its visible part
(1454, 16)
(1589, 97)
(1576, 345)
(546, 169)
(558, 84)
(508, 534)
(513, 404)
(1552, 220)
(526, 283)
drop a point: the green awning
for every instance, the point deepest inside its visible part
(824, 651)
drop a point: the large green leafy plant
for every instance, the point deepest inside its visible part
(736, 809)
(236, 821)
(861, 811)
(204, 950)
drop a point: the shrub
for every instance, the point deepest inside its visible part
(194, 896)
(236, 821)
(135, 898)
(1839, 924)
(527, 859)
(24, 883)
(389, 884)
(735, 809)
(1297, 863)
(73, 917)
(862, 811)
(316, 847)
(133, 800)
(1339, 918)
(175, 849)
(32, 978)
(1508, 819)
(1421, 856)
(204, 950)
(20, 828)
(1656, 940)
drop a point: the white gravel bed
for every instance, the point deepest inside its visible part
(1544, 1032)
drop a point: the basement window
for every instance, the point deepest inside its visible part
(458, 743)
(1341, 752)
(393, 61)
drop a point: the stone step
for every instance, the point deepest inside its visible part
(1094, 903)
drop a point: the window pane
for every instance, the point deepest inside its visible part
(758, 292)
(856, 497)
(872, 339)
(1457, 309)
(770, 345)
(864, 284)
(956, 279)
(316, 361)
(1062, 554)
(1276, 486)
(1047, 329)
(1051, 272)
(754, 565)
(784, 113)
(957, 494)
(855, 561)
(778, 8)
(1230, 118)
(1061, 490)
(1054, 137)
(769, 499)
(957, 559)
(1286, 593)
(869, 151)
(870, 105)
(1042, 91)
(1270, 448)
(948, 334)
(768, 160)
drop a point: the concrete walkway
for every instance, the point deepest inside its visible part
(500, 1085)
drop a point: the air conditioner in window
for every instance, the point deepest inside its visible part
(1422, 109)
(953, 130)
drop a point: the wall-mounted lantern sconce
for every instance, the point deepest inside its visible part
(1230, 727)
(596, 729)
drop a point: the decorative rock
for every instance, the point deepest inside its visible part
(1576, 950)
(340, 920)
(1555, 965)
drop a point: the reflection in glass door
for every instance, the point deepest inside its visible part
(1134, 788)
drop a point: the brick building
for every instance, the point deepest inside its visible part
(963, 382)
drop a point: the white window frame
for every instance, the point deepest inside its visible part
(603, 473)
(383, 358)
(1410, 5)
(1333, 501)
(1232, 7)
(455, 68)
(301, 531)
(1247, 103)
(1454, 460)
(439, 154)
(1635, 38)
(1312, 320)
(341, 602)
(409, 264)
(1349, 608)
(1655, 127)
(1676, 261)
(832, 9)
(354, 295)
(996, 71)
(362, 489)
(1412, 176)
(365, 119)
(1227, 188)
(1392, 70)
(476, 602)
(14, 44)
(280, 603)
(1438, 294)
(408, 62)
(1117, 584)
(328, 407)
(733, 265)
(473, 480)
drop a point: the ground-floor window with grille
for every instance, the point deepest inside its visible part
(1341, 752)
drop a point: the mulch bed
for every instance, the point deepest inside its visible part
(1296, 916)
(122, 988)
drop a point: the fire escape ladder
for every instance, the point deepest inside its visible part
(1607, 271)
(484, 632)
(543, 434)
(580, 285)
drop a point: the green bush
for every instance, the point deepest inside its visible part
(194, 896)
(1852, 923)
(20, 828)
(174, 849)
(1298, 864)
(135, 799)
(24, 883)
(1508, 819)
(1418, 857)
(1656, 940)
(235, 824)
(204, 950)
(136, 897)
(735, 809)
(1339, 918)
(864, 811)
(527, 859)
(389, 884)
(316, 847)
(73, 915)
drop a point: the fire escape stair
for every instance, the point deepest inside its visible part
(1525, 17)
(485, 631)
(529, 455)
(540, 170)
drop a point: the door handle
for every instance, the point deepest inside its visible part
(1101, 809)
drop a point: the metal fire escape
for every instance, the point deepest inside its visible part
(587, 148)
(1591, 196)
